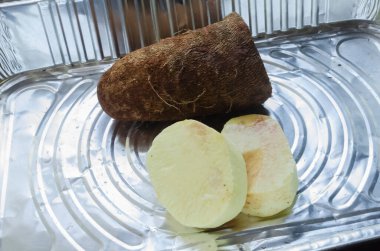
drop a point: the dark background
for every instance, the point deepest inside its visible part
(362, 246)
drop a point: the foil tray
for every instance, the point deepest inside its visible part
(38, 34)
(72, 178)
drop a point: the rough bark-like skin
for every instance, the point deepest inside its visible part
(216, 69)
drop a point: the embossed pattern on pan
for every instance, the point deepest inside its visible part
(40, 34)
(74, 179)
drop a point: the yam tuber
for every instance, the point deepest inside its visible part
(212, 70)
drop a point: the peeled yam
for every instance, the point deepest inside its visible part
(271, 169)
(212, 70)
(198, 176)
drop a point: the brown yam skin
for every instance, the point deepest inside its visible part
(212, 70)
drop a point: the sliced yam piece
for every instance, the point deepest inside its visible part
(271, 169)
(198, 176)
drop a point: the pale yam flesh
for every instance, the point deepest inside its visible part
(198, 176)
(271, 169)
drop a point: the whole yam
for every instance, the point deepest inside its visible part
(212, 70)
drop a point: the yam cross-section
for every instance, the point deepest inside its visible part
(199, 177)
(215, 69)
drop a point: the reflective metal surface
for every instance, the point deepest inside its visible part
(44, 33)
(72, 178)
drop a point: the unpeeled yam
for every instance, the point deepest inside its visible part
(271, 169)
(212, 70)
(198, 176)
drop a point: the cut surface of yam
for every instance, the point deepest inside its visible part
(271, 169)
(198, 176)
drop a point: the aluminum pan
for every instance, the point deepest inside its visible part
(43, 33)
(69, 181)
